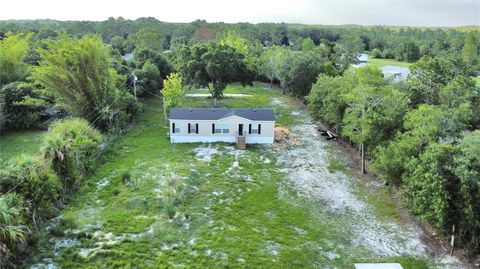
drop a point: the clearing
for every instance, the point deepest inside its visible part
(379, 63)
(288, 205)
(13, 144)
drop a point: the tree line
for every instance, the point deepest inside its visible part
(420, 135)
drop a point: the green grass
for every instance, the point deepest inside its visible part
(214, 217)
(21, 142)
(379, 63)
(477, 81)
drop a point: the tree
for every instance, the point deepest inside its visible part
(299, 71)
(470, 50)
(347, 50)
(149, 38)
(23, 105)
(411, 52)
(242, 45)
(203, 34)
(142, 55)
(173, 90)
(271, 61)
(423, 126)
(467, 168)
(307, 44)
(118, 43)
(79, 73)
(326, 100)
(430, 186)
(203, 64)
(13, 50)
(150, 78)
(362, 102)
(429, 75)
(376, 53)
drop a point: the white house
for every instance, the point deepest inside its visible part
(395, 73)
(362, 58)
(246, 125)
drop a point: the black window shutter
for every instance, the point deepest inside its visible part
(259, 128)
(250, 128)
(196, 127)
(173, 128)
(189, 128)
(213, 128)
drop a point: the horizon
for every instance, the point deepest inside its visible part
(245, 22)
(407, 13)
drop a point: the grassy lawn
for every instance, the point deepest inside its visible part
(477, 81)
(157, 205)
(379, 63)
(21, 142)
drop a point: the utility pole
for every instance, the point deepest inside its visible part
(134, 85)
(164, 113)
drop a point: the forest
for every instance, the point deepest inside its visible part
(87, 81)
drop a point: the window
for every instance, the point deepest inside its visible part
(225, 129)
(176, 127)
(254, 128)
(220, 128)
(193, 128)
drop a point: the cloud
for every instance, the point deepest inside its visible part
(386, 12)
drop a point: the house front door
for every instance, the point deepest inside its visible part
(240, 129)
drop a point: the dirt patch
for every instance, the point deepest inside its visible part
(205, 153)
(283, 137)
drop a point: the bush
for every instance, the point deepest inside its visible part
(12, 230)
(72, 147)
(32, 178)
(376, 53)
(388, 54)
(22, 106)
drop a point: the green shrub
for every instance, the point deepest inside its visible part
(12, 230)
(72, 147)
(32, 178)
(376, 53)
(22, 106)
(56, 230)
(126, 177)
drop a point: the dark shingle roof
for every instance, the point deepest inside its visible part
(265, 114)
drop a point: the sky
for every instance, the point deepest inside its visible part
(364, 12)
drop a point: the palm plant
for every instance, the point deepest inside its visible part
(11, 229)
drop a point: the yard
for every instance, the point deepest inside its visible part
(22, 142)
(379, 63)
(294, 205)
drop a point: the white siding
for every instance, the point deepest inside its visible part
(205, 131)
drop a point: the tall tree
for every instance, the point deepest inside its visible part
(173, 90)
(347, 50)
(13, 49)
(467, 169)
(79, 73)
(470, 50)
(203, 64)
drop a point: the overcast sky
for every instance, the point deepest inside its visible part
(366, 12)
